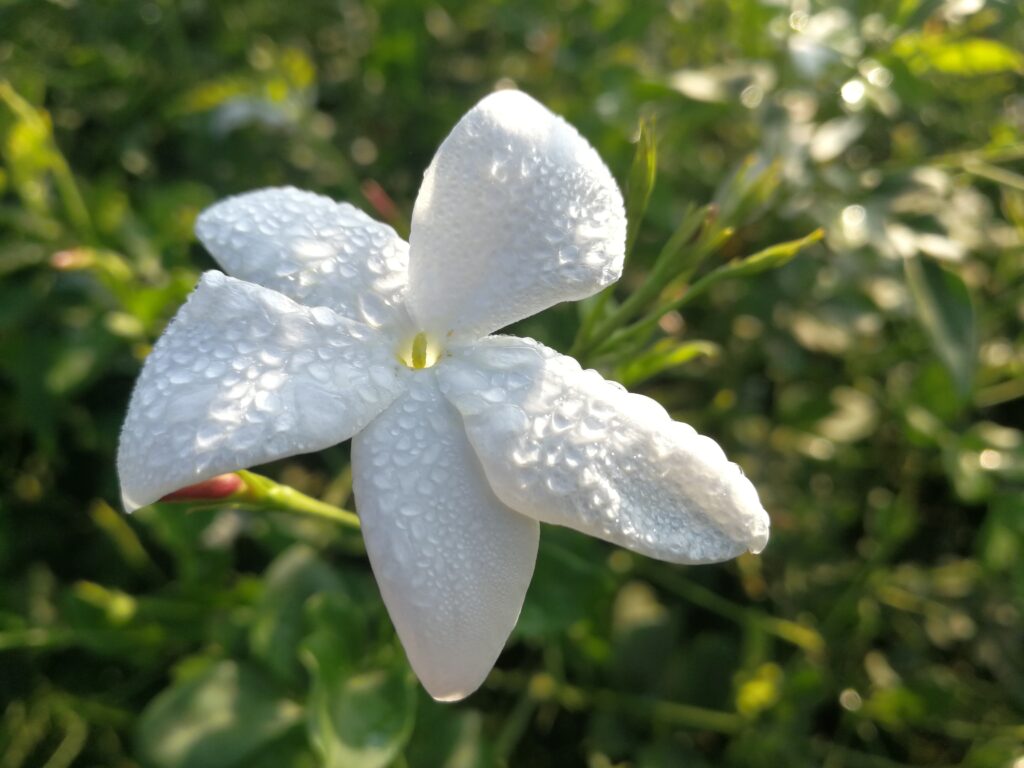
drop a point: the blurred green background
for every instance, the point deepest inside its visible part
(872, 386)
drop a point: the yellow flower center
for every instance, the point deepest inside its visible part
(419, 352)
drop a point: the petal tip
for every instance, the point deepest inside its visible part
(130, 504)
(448, 698)
(760, 530)
(507, 98)
(453, 684)
(758, 542)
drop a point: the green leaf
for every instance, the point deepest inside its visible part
(296, 575)
(772, 257)
(747, 191)
(641, 181)
(341, 630)
(681, 255)
(446, 737)
(1000, 541)
(664, 355)
(946, 313)
(967, 57)
(221, 718)
(358, 720)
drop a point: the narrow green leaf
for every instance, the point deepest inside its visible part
(1000, 176)
(771, 257)
(678, 255)
(663, 356)
(745, 193)
(946, 312)
(641, 181)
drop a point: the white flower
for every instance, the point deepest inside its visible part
(333, 328)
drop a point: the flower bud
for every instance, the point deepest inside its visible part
(219, 487)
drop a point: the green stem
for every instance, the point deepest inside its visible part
(76, 732)
(650, 321)
(994, 173)
(1000, 393)
(665, 269)
(807, 638)
(264, 493)
(852, 757)
(586, 330)
(769, 258)
(666, 260)
(959, 159)
(515, 726)
(543, 687)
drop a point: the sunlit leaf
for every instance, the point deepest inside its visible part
(219, 719)
(663, 356)
(291, 579)
(447, 737)
(359, 720)
(965, 57)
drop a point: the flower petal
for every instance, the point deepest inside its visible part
(243, 376)
(516, 212)
(312, 249)
(565, 446)
(453, 563)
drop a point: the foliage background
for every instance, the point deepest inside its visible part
(871, 386)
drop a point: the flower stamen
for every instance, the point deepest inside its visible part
(419, 353)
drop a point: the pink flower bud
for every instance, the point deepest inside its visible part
(218, 487)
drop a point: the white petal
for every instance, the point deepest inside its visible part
(242, 376)
(453, 563)
(312, 249)
(565, 446)
(516, 212)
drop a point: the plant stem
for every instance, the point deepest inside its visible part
(666, 269)
(800, 635)
(266, 494)
(994, 173)
(515, 726)
(544, 687)
(259, 492)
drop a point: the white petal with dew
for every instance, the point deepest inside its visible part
(516, 212)
(452, 562)
(312, 249)
(565, 446)
(243, 376)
